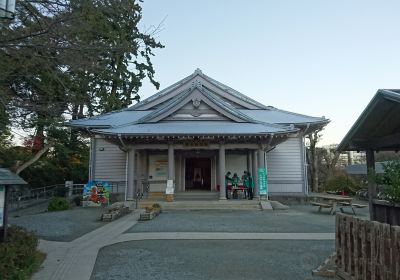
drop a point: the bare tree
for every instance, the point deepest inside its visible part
(313, 158)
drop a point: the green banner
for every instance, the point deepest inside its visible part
(262, 181)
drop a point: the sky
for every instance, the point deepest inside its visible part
(319, 58)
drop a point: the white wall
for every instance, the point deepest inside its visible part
(109, 161)
(236, 163)
(285, 167)
(158, 177)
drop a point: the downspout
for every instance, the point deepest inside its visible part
(92, 155)
(124, 148)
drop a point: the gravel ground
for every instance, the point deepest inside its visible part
(211, 259)
(58, 226)
(296, 219)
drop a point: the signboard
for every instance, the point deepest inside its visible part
(161, 168)
(170, 187)
(96, 193)
(262, 181)
(2, 202)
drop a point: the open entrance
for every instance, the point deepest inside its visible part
(198, 174)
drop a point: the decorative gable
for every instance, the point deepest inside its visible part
(231, 96)
(196, 103)
(196, 109)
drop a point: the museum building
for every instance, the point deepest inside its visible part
(199, 128)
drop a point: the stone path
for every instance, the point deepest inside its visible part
(76, 259)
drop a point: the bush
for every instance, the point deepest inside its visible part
(58, 204)
(18, 255)
(156, 205)
(391, 180)
(77, 200)
(341, 183)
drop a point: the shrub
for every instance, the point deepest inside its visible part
(77, 200)
(58, 204)
(18, 255)
(341, 182)
(156, 205)
(391, 180)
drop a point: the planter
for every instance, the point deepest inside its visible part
(386, 212)
(149, 215)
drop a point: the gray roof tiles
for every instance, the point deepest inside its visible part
(136, 120)
(197, 127)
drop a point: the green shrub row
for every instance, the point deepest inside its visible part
(58, 204)
(18, 255)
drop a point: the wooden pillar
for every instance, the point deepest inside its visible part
(221, 171)
(254, 172)
(371, 181)
(131, 174)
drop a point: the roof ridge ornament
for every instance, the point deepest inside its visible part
(198, 71)
(196, 84)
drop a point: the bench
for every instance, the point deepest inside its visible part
(321, 205)
(353, 204)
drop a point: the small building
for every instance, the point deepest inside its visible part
(193, 132)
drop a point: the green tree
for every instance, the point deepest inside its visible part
(64, 59)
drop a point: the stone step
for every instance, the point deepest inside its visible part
(196, 195)
(212, 205)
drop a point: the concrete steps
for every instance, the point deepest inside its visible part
(198, 200)
(212, 205)
(196, 195)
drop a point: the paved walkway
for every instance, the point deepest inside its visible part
(76, 259)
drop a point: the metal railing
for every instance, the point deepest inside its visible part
(143, 190)
(18, 198)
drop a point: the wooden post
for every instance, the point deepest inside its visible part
(371, 181)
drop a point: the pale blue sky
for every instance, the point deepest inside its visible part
(321, 58)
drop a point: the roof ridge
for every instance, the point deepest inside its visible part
(183, 94)
(233, 92)
(164, 91)
(226, 105)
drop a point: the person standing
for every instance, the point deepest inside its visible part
(235, 185)
(251, 186)
(245, 180)
(228, 180)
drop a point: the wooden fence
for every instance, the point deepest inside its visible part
(366, 250)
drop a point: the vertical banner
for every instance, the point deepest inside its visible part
(262, 181)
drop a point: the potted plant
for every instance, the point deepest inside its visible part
(388, 209)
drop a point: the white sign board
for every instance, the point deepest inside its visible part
(2, 203)
(170, 187)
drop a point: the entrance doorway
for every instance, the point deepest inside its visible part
(198, 174)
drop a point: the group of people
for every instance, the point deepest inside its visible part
(246, 181)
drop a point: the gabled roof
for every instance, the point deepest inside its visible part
(178, 108)
(378, 127)
(187, 82)
(200, 94)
